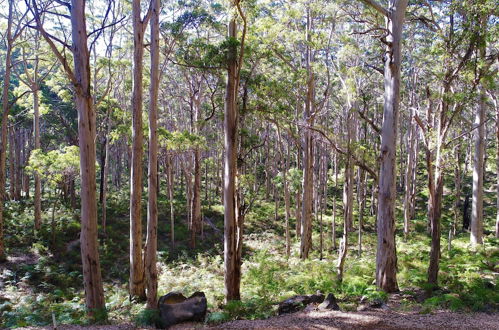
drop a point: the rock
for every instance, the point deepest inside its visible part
(362, 308)
(175, 308)
(330, 303)
(376, 303)
(297, 303)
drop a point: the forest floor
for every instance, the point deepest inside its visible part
(43, 276)
(315, 319)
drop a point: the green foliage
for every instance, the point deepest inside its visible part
(180, 140)
(148, 317)
(56, 164)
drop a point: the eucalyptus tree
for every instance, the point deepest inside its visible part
(453, 33)
(386, 257)
(34, 74)
(15, 27)
(151, 272)
(80, 78)
(233, 239)
(137, 279)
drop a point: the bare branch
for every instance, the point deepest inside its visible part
(376, 6)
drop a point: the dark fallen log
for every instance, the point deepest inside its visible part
(297, 303)
(175, 308)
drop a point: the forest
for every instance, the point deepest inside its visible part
(285, 164)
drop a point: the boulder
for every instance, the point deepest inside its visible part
(175, 308)
(299, 302)
(330, 303)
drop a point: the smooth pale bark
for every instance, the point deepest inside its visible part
(36, 126)
(105, 172)
(411, 155)
(196, 188)
(476, 232)
(232, 274)
(169, 171)
(457, 188)
(362, 177)
(80, 79)
(92, 279)
(12, 163)
(333, 225)
(347, 210)
(308, 154)
(497, 165)
(286, 191)
(18, 164)
(5, 119)
(137, 279)
(386, 256)
(151, 272)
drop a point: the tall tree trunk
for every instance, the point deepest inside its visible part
(497, 165)
(333, 229)
(151, 273)
(169, 170)
(137, 280)
(408, 174)
(308, 154)
(196, 189)
(347, 210)
(12, 163)
(5, 119)
(92, 279)
(457, 188)
(386, 256)
(18, 167)
(232, 266)
(476, 234)
(36, 126)
(105, 172)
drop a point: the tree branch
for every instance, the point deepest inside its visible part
(376, 6)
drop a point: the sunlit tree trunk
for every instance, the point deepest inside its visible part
(497, 164)
(170, 179)
(151, 273)
(196, 189)
(308, 154)
(5, 120)
(386, 257)
(36, 127)
(232, 267)
(137, 280)
(476, 233)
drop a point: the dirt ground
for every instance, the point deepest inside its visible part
(369, 319)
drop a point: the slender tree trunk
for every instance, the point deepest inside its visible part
(92, 279)
(232, 266)
(169, 169)
(105, 172)
(18, 167)
(308, 155)
(408, 175)
(333, 229)
(361, 206)
(342, 254)
(476, 234)
(151, 247)
(196, 189)
(497, 166)
(386, 256)
(5, 119)
(457, 188)
(36, 126)
(12, 163)
(137, 280)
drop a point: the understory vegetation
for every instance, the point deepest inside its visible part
(48, 280)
